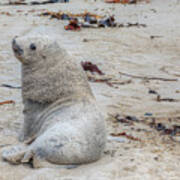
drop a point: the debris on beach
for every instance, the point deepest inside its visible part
(148, 114)
(108, 80)
(49, 2)
(147, 78)
(90, 20)
(7, 102)
(88, 66)
(100, 80)
(152, 91)
(10, 86)
(23, 2)
(122, 1)
(174, 130)
(18, 2)
(73, 25)
(127, 25)
(159, 99)
(107, 22)
(155, 36)
(5, 13)
(60, 15)
(126, 1)
(127, 119)
(123, 120)
(92, 68)
(126, 135)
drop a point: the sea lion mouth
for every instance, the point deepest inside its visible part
(17, 50)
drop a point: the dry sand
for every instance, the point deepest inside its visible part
(114, 50)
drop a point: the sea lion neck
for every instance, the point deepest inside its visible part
(57, 77)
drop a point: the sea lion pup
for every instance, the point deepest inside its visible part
(62, 123)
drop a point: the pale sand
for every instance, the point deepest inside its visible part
(128, 50)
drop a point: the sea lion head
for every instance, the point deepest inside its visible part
(29, 49)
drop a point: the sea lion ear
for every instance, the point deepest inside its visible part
(32, 46)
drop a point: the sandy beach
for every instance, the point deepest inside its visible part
(142, 65)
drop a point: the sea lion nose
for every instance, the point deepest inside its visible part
(16, 48)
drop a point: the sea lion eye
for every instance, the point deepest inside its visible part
(32, 47)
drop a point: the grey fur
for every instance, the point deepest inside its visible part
(62, 123)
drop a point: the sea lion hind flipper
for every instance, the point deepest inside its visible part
(14, 154)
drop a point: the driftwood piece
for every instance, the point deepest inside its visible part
(7, 102)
